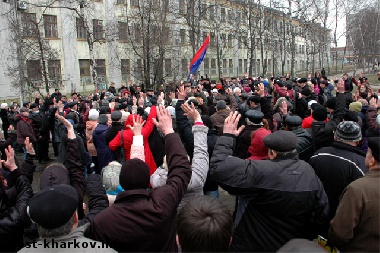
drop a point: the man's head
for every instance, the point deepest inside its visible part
(302, 82)
(34, 107)
(293, 123)
(280, 143)
(54, 210)
(134, 175)
(348, 132)
(24, 111)
(254, 101)
(221, 105)
(372, 158)
(116, 116)
(56, 91)
(204, 225)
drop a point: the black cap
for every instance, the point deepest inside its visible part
(244, 95)
(134, 174)
(282, 141)
(331, 102)
(116, 115)
(103, 119)
(123, 106)
(25, 103)
(53, 206)
(374, 145)
(302, 80)
(72, 104)
(34, 105)
(306, 92)
(255, 99)
(149, 89)
(293, 121)
(254, 116)
(319, 113)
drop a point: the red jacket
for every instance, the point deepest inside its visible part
(306, 122)
(128, 139)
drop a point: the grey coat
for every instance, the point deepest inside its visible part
(75, 241)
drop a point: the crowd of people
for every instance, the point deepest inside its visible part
(301, 156)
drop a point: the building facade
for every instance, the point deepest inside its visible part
(151, 42)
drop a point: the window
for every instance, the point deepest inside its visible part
(29, 24)
(120, 1)
(184, 67)
(33, 69)
(137, 33)
(230, 63)
(98, 29)
(205, 34)
(135, 3)
(123, 31)
(204, 11)
(206, 63)
(213, 63)
(223, 14)
(223, 38)
(224, 63)
(54, 69)
(212, 13)
(125, 68)
(230, 39)
(230, 16)
(84, 68)
(182, 7)
(168, 66)
(245, 65)
(101, 67)
(240, 65)
(182, 36)
(138, 68)
(81, 30)
(50, 25)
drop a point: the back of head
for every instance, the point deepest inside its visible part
(134, 174)
(53, 209)
(54, 174)
(348, 131)
(204, 225)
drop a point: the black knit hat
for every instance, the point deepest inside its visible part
(54, 206)
(319, 113)
(374, 145)
(331, 102)
(134, 174)
(348, 131)
(306, 92)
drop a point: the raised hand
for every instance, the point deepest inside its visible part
(138, 124)
(165, 124)
(261, 90)
(29, 146)
(10, 162)
(191, 112)
(67, 124)
(231, 123)
(181, 93)
(373, 102)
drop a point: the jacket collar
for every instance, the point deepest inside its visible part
(132, 195)
(374, 172)
(291, 156)
(345, 146)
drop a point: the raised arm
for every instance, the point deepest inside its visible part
(179, 166)
(200, 161)
(149, 125)
(137, 148)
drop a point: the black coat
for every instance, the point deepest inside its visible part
(13, 218)
(305, 145)
(279, 199)
(337, 166)
(212, 137)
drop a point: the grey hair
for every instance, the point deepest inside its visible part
(62, 230)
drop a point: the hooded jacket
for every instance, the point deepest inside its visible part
(128, 139)
(105, 155)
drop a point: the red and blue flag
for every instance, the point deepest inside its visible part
(198, 57)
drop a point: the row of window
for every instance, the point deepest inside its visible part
(34, 69)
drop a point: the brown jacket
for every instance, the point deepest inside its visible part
(356, 225)
(24, 129)
(218, 118)
(140, 220)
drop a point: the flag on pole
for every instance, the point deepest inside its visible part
(198, 57)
